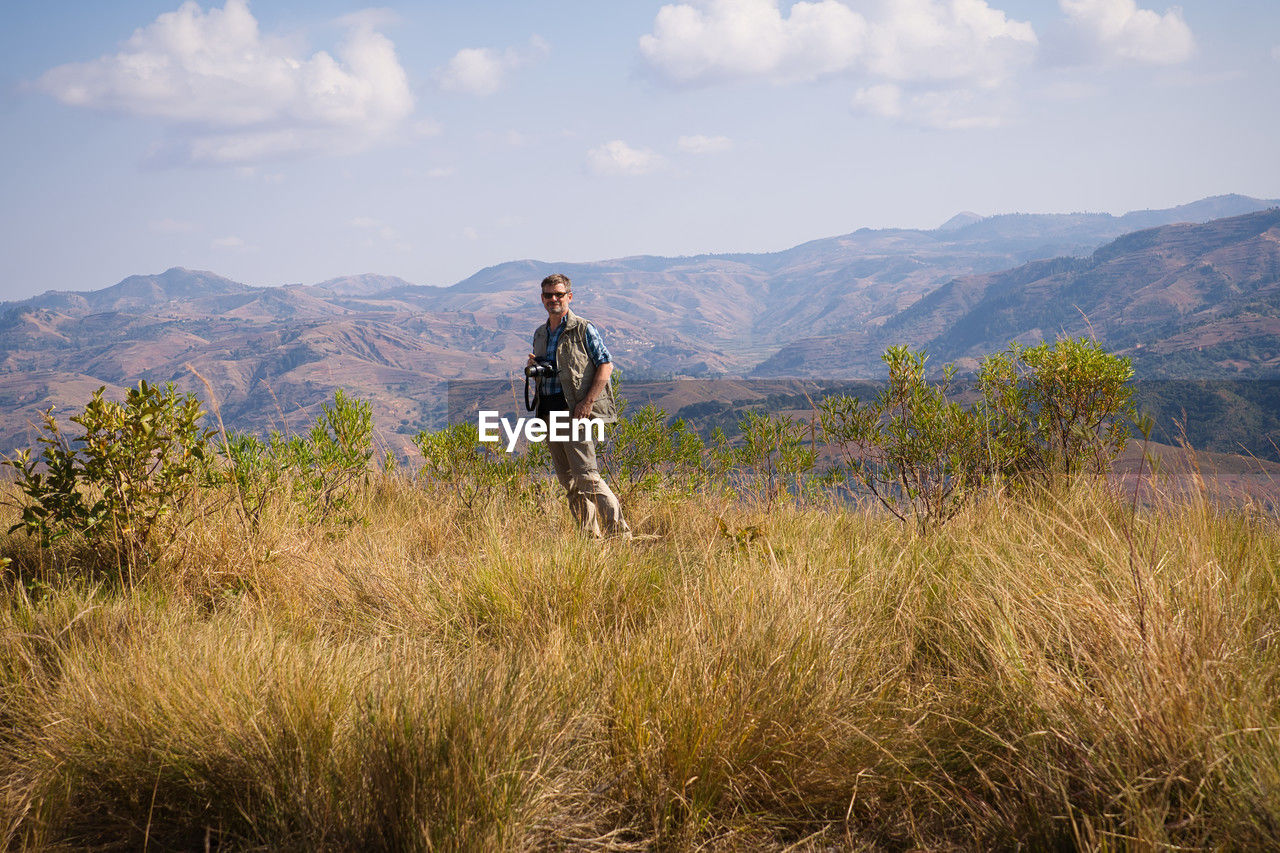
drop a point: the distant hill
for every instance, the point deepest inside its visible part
(822, 309)
(362, 285)
(1183, 301)
(139, 293)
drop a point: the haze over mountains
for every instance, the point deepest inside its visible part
(1197, 293)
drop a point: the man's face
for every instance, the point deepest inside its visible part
(556, 299)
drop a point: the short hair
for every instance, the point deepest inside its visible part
(554, 279)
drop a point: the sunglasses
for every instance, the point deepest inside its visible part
(559, 295)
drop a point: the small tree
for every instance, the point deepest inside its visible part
(1011, 443)
(475, 471)
(136, 462)
(771, 459)
(1080, 399)
(1044, 412)
(645, 454)
(919, 453)
(329, 462)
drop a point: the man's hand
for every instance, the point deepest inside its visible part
(583, 409)
(532, 359)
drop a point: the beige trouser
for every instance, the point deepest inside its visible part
(591, 500)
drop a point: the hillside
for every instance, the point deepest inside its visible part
(1184, 301)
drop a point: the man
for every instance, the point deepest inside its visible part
(578, 385)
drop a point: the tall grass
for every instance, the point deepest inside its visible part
(1054, 671)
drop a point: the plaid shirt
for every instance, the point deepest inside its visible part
(595, 348)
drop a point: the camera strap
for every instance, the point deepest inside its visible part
(531, 404)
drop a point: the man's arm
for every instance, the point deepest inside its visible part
(598, 383)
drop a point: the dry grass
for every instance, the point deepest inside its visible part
(1051, 672)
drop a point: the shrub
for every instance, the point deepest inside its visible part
(254, 472)
(1045, 412)
(324, 467)
(136, 462)
(1010, 440)
(917, 451)
(1080, 399)
(475, 471)
(770, 461)
(645, 455)
(329, 462)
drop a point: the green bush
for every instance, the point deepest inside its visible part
(254, 472)
(329, 462)
(1044, 413)
(643, 454)
(323, 468)
(476, 472)
(916, 450)
(1012, 451)
(136, 462)
(771, 459)
(1080, 399)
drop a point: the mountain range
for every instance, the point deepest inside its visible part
(1182, 301)
(1191, 291)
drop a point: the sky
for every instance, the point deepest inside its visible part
(281, 141)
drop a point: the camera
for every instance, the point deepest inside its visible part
(540, 369)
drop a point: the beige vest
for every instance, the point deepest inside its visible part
(574, 367)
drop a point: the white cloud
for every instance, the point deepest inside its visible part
(374, 19)
(230, 242)
(920, 40)
(441, 172)
(236, 96)
(1122, 31)
(711, 41)
(704, 144)
(483, 70)
(619, 158)
(477, 71)
(1275, 53)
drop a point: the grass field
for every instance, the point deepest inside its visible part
(1070, 670)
